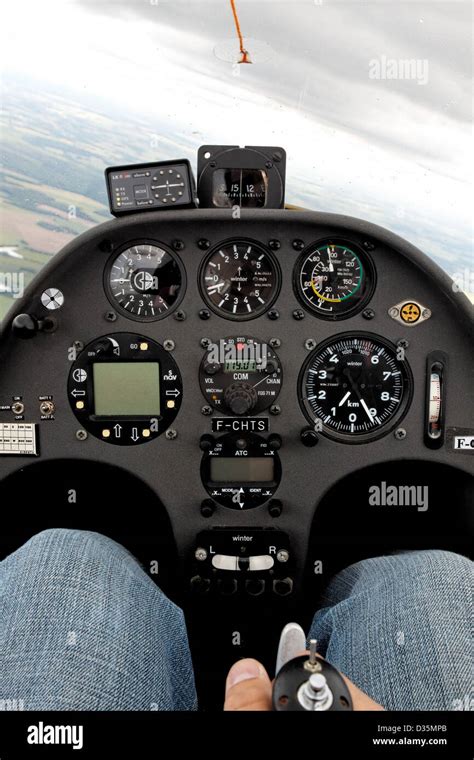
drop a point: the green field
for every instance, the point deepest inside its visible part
(54, 152)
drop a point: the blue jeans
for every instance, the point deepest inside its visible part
(83, 627)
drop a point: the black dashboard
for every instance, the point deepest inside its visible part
(233, 397)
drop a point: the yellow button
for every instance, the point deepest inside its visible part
(143, 346)
(410, 312)
(170, 404)
(146, 433)
(106, 433)
(79, 405)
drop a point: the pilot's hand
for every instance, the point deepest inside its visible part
(248, 687)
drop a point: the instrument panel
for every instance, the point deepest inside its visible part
(240, 368)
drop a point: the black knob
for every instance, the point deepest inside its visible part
(308, 437)
(275, 508)
(227, 586)
(25, 326)
(283, 586)
(211, 368)
(200, 585)
(208, 508)
(206, 442)
(103, 347)
(274, 441)
(271, 367)
(255, 586)
(240, 397)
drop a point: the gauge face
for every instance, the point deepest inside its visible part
(354, 387)
(145, 282)
(240, 280)
(125, 389)
(240, 376)
(333, 279)
(239, 187)
(168, 184)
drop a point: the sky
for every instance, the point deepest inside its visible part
(395, 151)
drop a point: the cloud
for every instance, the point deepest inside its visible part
(391, 150)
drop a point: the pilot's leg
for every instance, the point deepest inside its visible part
(84, 628)
(399, 628)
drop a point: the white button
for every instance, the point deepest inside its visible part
(225, 562)
(261, 562)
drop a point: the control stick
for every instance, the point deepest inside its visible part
(305, 682)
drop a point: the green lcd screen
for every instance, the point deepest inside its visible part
(126, 389)
(245, 470)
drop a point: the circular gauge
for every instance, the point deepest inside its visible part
(240, 280)
(354, 387)
(241, 470)
(125, 389)
(169, 184)
(334, 279)
(144, 281)
(240, 376)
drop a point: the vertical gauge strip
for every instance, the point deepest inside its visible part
(144, 281)
(356, 387)
(334, 279)
(240, 279)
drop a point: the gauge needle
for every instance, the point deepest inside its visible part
(343, 400)
(261, 381)
(367, 410)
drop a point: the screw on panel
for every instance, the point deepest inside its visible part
(368, 245)
(78, 345)
(106, 246)
(275, 508)
(368, 313)
(169, 345)
(426, 313)
(48, 325)
(208, 508)
(203, 244)
(309, 344)
(269, 165)
(274, 244)
(180, 315)
(283, 555)
(178, 245)
(200, 554)
(171, 434)
(274, 342)
(204, 314)
(298, 244)
(275, 409)
(400, 434)
(393, 312)
(205, 342)
(298, 314)
(403, 343)
(81, 435)
(273, 314)
(110, 316)
(206, 410)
